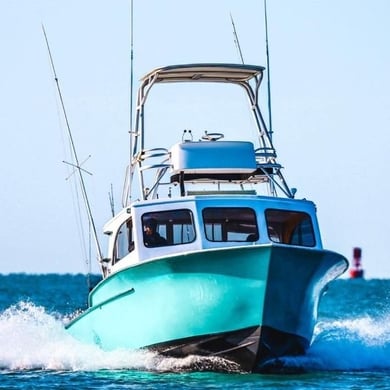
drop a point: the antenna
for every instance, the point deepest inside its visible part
(236, 40)
(269, 71)
(77, 166)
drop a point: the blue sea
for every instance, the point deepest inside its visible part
(350, 349)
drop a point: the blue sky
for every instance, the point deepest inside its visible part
(330, 96)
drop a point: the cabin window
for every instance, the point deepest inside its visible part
(230, 224)
(290, 227)
(124, 243)
(173, 227)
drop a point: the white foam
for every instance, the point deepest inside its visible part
(30, 338)
(347, 345)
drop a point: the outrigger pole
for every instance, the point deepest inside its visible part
(131, 64)
(268, 72)
(77, 165)
(129, 172)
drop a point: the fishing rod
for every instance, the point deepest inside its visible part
(77, 165)
(237, 43)
(238, 46)
(269, 71)
(236, 40)
(111, 199)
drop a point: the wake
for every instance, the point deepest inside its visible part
(361, 344)
(32, 339)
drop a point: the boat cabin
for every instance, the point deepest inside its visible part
(150, 230)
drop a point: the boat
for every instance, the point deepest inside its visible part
(235, 268)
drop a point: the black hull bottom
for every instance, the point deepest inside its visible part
(254, 349)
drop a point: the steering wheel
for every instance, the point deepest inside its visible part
(212, 136)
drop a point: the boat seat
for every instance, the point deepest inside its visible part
(222, 160)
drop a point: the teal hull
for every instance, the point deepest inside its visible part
(257, 301)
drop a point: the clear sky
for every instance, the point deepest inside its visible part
(330, 76)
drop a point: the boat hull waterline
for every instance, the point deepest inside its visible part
(247, 304)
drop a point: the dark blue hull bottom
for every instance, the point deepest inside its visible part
(254, 349)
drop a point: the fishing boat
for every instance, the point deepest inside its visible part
(212, 253)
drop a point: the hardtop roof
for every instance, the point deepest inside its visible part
(205, 72)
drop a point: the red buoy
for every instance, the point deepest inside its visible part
(356, 270)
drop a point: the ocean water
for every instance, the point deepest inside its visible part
(350, 349)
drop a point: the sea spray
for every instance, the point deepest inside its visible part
(32, 339)
(353, 344)
(361, 344)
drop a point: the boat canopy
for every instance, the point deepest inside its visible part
(232, 73)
